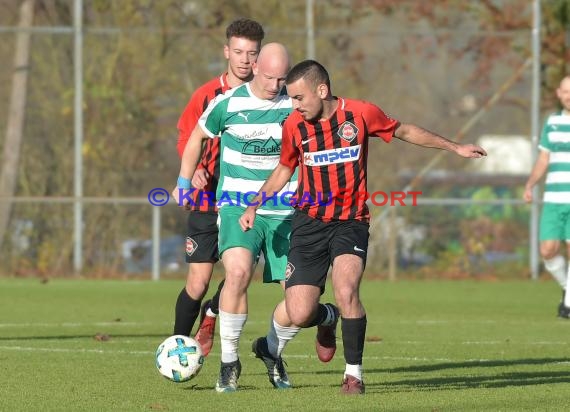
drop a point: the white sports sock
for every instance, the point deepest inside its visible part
(231, 325)
(353, 370)
(567, 288)
(278, 336)
(557, 268)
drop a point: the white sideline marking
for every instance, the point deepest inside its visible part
(490, 342)
(63, 350)
(148, 353)
(103, 351)
(76, 324)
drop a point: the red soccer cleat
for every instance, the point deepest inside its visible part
(352, 386)
(206, 331)
(325, 343)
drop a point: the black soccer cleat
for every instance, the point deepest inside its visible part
(229, 374)
(275, 368)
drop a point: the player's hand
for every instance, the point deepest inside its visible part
(246, 220)
(200, 178)
(471, 151)
(176, 196)
(527, 195)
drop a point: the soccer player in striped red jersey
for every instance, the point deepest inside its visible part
(244, 38)
(327, 138)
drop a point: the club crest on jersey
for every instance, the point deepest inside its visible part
(348, 131)
(191, 246)
(289, 270)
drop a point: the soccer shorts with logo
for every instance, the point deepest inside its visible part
(270, 236)
(315, 244)
(202, 237)
(555, 222)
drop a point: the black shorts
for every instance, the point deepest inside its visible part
(202, 237)
(315, 244)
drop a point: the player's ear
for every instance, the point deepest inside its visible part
(322, 90)
(226, 51)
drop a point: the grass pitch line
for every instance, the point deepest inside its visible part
(127, 352)
(83, 324)
(75, 324)
(306, 356)
(76, 350)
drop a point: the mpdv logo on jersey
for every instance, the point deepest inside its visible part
(332, 156)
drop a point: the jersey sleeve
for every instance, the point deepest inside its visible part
(378, 123)
(545, 143)
(188, 121)
(213, 119)
(289, 152)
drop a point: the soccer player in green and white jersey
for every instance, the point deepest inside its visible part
(248, 120)
(554, 161)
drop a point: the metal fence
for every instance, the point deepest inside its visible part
(67, 216)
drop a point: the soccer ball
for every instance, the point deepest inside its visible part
(179, 358)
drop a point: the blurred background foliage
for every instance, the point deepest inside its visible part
(433, 63)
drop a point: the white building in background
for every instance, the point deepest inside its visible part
(506, 154)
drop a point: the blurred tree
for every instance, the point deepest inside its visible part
(428, 62)
(15, 123)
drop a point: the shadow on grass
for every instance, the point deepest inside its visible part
(451, 365)
(461, 381)
(375, 379)
(500, 380)
(474, 364)
(213, 389)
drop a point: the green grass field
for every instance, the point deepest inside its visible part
(432, 346)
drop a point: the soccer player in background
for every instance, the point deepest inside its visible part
(244, 38)
(554, 162)
(327, 138)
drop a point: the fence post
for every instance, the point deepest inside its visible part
(78, 137)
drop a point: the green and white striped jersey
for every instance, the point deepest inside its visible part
(555, 138)
(250, 146)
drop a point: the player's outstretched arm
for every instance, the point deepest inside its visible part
(536, 174)
(190, 160)
(278, 179)
(419, 136)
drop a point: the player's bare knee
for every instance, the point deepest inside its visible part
(346, 296)
(237, 279)
(549, 249)
(196, 290)
(301, 319)
(299, 314)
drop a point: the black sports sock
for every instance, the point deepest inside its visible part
(215, 303)
(353, 333)
(186, 313)
(323, 313)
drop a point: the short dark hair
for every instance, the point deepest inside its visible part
(246, 28)
(312, 71)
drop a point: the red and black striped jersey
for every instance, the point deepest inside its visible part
(211, 153)
(332, 158)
